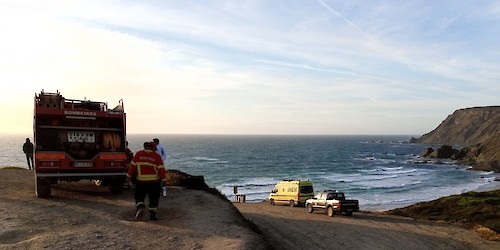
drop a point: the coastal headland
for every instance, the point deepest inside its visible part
(80, 215)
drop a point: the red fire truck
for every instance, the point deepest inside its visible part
(76, 140)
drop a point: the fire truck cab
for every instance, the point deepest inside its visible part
(78, 139)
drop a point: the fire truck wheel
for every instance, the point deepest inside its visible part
(116, 186)
(271, 201)
(291, 203)
(42, 188)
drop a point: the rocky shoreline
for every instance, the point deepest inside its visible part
(476, 131)
(483, 156)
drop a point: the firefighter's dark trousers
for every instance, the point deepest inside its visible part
(150, 189)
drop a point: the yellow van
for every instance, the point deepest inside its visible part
(292, 192)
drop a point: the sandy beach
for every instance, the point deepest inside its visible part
(82, 216)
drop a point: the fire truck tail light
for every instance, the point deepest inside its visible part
(114, 164)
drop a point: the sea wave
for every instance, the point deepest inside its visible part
(202, 158)
(392, 169)
(243, 185)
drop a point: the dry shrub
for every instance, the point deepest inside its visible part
(487, 233)
(174, 178)
(13, 167)
(178, 178)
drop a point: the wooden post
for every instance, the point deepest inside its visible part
(240, 198)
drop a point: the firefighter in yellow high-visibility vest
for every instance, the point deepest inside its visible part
(149, 172)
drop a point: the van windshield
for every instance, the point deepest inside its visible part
(306, 189)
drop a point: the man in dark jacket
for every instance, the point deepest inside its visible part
(28, 149)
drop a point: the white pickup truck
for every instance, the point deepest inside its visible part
(323, 200)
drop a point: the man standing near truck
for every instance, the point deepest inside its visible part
(28, 149)
(149, 172)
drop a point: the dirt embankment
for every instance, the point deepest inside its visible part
(80, 215)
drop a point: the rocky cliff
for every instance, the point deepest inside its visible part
(466, 127)
(485, 155)
(476, 128)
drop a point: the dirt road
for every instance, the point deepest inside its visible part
(293, 228)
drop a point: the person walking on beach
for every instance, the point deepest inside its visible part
(28, 149)
(149, 172)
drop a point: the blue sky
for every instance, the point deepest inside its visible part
(254, 67)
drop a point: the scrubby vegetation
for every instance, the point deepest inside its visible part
(478, 210)
(12, 167)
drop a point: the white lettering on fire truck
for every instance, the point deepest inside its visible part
(83, 113)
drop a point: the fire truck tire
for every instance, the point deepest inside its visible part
(42, 188)
(271, 201)
(292, 203)
(116, 186)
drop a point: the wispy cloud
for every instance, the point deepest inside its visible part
(349, 22)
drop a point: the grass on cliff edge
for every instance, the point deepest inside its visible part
(477, 210)
(12, 167)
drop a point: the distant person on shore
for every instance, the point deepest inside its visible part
(163, 153)
(130, 154)
(147, 167)
(28, 149)
(160, 150)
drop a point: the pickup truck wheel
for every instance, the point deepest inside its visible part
(330, 211)
(271, 201)
(292, 203)
(349, 213)
(42, 188)
(310, 208)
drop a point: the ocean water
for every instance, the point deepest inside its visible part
(382, 172)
